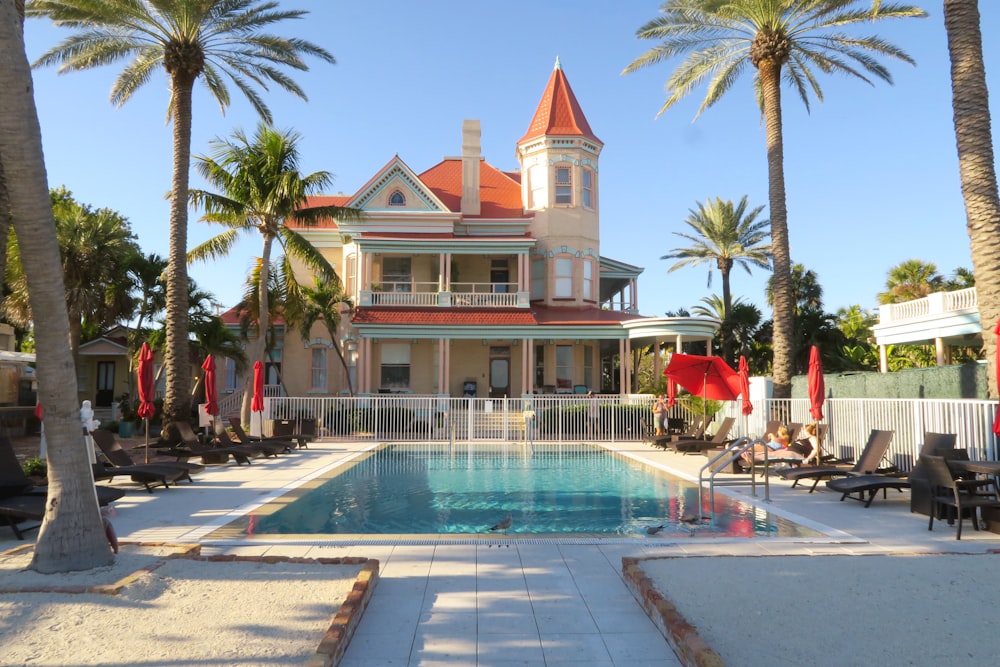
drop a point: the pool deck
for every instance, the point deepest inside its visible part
(490, 600)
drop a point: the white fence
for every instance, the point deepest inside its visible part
(625, 418)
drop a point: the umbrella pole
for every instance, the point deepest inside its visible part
(147, 439)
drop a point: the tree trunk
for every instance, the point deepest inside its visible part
(970, 104)
(72, 534)
(783, 341)
(725, 266)
(177, 355)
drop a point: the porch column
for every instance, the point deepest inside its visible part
(624, 367)
(883, 360)
(447, 271)
(939, 349)
(677, 343)
(527, 357)
(522, 283)
(634, 285)
(657, 365)
(442, 263)
(444, 366)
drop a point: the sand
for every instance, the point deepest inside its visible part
(169, 611)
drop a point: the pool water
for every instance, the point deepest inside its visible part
(547, 490)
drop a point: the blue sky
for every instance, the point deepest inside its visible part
(871, 174)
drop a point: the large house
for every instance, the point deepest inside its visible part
(471, 280)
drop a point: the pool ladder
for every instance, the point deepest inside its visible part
(726, 459)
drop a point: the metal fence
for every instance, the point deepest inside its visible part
(554, 418)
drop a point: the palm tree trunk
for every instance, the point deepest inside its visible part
(970, 104)
(727, 304)
(71, 536)
(177, 356)
(783, 343)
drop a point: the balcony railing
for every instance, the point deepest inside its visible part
(479, 295)
(938, 303)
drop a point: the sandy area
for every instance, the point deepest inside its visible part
(838, 610)
(180, 611)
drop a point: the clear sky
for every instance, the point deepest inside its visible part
(871, 174)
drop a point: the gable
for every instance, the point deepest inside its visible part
(395, 178)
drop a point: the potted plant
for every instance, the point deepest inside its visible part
(127, 414)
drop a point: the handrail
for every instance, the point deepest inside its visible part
(730, 453)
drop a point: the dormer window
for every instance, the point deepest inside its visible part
(564, 185)
(397, 198)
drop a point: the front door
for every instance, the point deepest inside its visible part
(499, 372)
(105, 384)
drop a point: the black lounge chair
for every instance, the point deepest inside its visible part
(869, 462)
(117, 456)
(285, 429)
(21, 500)
(265, 447)
(191, 447)
(694, 431)
(248, 440)
(867, 484)
(718, 440)
(961, 494)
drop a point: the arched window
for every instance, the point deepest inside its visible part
(397, 198)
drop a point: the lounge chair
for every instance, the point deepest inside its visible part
(971, 494)
(935, 444)
(868, 463)
(191, 447)
(119, 458)
(867, 486)
(694, 431)
(21, 500)
(246, 439)
(718, 440)
(285, 429)
(265, 447)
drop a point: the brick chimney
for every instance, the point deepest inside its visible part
(471, 149)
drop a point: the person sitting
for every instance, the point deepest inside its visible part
(807, 446)
(776, 446)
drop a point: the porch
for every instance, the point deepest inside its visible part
(941, 319)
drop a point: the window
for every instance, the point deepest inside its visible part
(564, 278)
(539, 365)
(564, 186)
(538, 279)
(318, 369)
(500, 276)
(588, 279)
(230, 376)
(564, 367)
(395, 371)
(397, 198)
(588, 188)
(396, 275)
(350, 268)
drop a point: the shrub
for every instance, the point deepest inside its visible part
(35, 467)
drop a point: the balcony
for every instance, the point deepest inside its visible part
(949, 317)
(432, 294)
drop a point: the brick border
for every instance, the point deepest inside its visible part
(335, 640)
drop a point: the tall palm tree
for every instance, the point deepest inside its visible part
(71, 536)
(261, 190)
(971, 109)
(911, 279)
(210, 39)
(782, 40)
(323, 301)
(727, 235)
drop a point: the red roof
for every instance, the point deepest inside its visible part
(558, 112)
(499, 192)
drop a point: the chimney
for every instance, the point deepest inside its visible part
(471, 148)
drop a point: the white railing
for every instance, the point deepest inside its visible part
(629, 418)
(938, 303)
(485, 299)
(483, 295)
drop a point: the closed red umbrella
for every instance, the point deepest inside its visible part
(996, 420)
(257, 404)
(817, 388)
(145, 372)
(744, 374)
(671, 393)
(211, 390)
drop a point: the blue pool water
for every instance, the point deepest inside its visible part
(551, 490)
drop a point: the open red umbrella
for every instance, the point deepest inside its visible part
(996, 420)
(707, 377)
(817, 388)
(211, 389)
(145, 372)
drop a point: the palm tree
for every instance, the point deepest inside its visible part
(211, 39)
(728, 235)
(740, 326)
(783, 41)
(261, 190)
(971, 108)
(909, 280)
(323, 301)
(71, 536)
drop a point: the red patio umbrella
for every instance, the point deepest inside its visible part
(257, 404)
(211, 390)
(996, 420)
(817, 388)
(145, 372)
(707, 377)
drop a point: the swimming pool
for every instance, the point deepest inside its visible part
(551, 490)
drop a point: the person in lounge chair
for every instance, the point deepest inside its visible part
(808, 445)
(777, 444)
